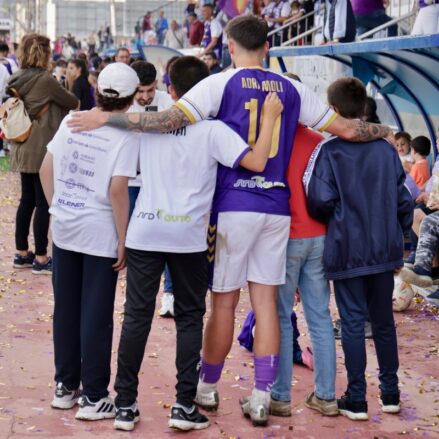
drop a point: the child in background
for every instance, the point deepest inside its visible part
(420, 170)
(403, 142)
(339, 177)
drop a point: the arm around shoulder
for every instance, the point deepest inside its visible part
(355, 130)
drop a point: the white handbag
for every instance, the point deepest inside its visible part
(15, 121)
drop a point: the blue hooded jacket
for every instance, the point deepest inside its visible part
(358, 190)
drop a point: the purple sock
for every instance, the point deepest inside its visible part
(210, 373)
(265, 371)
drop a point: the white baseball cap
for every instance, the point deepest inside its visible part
(117, 80)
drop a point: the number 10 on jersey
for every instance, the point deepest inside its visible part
(252, 107)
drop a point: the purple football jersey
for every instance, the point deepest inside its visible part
(243, 190)
(207, 38)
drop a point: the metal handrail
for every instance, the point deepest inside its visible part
(302, 35)
(386, 25)
(290, 23)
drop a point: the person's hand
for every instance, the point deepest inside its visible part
(391, 138)
(87, 120)
(422, 198)
(397, 270)
(121, 262)
(273, 106)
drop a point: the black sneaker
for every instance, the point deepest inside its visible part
(126, 417)
(354, 410)
(94, 411)
(45, 268)
(64, 398)
(182, 420)
(23, 261)
(390, 403)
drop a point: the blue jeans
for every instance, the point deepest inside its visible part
(370, 21)
(168, 281)
(133, 193)
(305, 270)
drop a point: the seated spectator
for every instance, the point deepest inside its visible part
(212, 62)
(420, 170)
(340, 22)
(421, 273)
(403, 143)
(369, 14)
(77, 75)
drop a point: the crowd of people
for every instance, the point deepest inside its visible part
(344, 21)
(287, 210)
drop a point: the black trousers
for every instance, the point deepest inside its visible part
(189, 276)
(358, 298)
(32, 198)
(84, 287)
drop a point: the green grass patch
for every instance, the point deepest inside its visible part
(4, 164)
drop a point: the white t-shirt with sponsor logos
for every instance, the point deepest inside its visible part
(178, 172)
(83, 165)
(162, 101)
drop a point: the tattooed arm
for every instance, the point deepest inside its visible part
(163, 121)
(359, 131)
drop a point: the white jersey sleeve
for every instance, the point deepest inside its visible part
(286, 10)
(227, 147)
(216, 29)
(313, 112)
(127, 159)
(203, 101)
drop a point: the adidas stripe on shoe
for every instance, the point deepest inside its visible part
(93, 411)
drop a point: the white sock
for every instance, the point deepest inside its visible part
(206, 387)
(188, 410)
(260, 396)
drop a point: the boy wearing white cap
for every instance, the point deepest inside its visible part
(85, 180)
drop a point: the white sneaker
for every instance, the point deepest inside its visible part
(167, 308)
(207, 396)
(2, 153)
(256, 407)
(64, 398)
(93, 411)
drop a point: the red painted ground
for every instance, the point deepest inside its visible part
(26, 370)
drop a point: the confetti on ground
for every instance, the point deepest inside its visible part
(26, 368)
